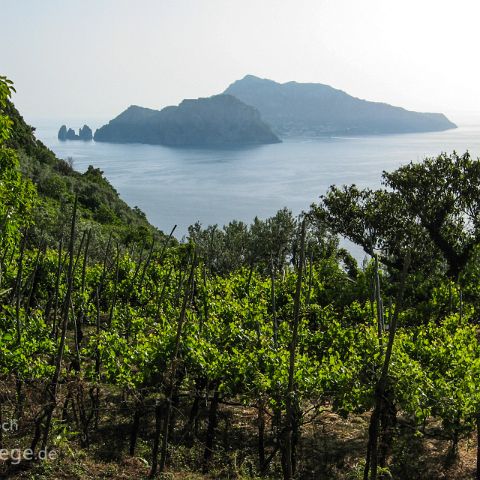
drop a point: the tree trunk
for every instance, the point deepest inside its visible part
(212, 425)
(371, 462)
(156, 441)
(135, 428)
(191, 428)
(54, 333)
(53, 387)
(477, 474)
(291, 411)
(273, 303)
(261, 433)
(171, 382)
(378, 291)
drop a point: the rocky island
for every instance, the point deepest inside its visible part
(294, 109)
(255, 111)
(84, 133)
(221, 120)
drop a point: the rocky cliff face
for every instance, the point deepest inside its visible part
(85, 133)
(71, 135)
(62, 133)
(220, 120)
(314, 109)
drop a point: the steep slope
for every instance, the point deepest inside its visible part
(216, 121)
(312, 108)
(57, 183)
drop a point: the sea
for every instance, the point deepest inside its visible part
(180, 186)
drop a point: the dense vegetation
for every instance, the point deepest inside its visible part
(251, 351)
(57, 183)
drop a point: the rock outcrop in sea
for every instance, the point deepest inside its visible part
(84, 133)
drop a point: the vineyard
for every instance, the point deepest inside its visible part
(248, 351)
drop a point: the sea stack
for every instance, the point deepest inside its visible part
(85, 133)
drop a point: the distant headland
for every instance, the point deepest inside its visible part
(311, 109)
(84, 133)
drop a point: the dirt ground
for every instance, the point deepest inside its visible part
(330, 448)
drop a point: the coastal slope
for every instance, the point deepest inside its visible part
(100, 207)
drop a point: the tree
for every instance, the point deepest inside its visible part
(430, 208)
(442, 195)
(16, 193)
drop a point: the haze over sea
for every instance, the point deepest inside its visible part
(181, 186)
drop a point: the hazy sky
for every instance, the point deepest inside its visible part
(95, 57)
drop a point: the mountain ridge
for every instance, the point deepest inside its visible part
(294, 108)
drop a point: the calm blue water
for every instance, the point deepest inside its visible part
(181, 186)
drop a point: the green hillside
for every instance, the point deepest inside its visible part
(57, 183)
